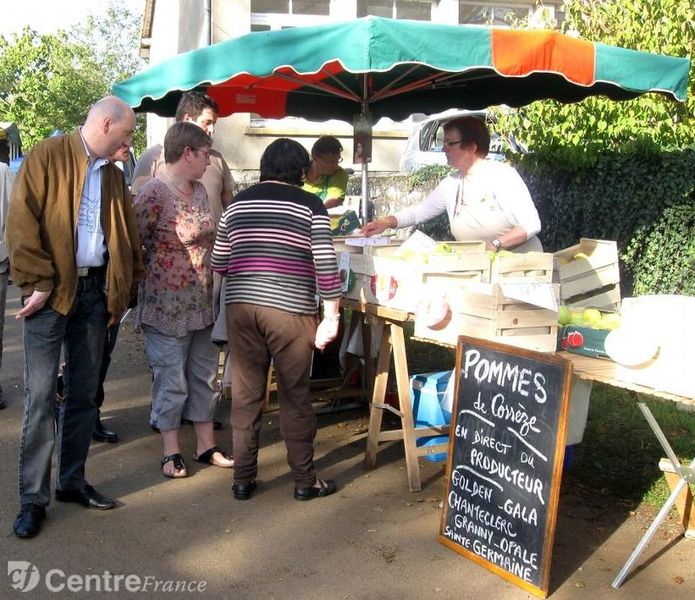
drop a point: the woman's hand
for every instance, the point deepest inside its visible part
(327, 331)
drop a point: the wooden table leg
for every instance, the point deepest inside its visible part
(378, 396)
(400, 363)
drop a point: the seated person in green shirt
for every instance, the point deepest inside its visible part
(326, 178)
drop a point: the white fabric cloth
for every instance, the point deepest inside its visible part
(488, 179)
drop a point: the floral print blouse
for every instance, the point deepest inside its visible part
(177, 235)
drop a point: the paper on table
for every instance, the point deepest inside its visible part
(367, 241)
(537, 294)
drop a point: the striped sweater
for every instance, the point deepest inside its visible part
(274, 245)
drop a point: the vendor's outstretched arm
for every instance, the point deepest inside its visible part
(380, 225)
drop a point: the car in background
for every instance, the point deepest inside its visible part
(425, 143)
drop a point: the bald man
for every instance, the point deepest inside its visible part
(75, 253)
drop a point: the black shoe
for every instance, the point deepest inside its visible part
(2, 403)
(327, 488)
(101, 434)
(243, 491)
(87, 497)
(28, 521)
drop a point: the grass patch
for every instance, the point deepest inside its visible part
(620, 454)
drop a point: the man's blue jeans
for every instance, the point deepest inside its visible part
(80, 335)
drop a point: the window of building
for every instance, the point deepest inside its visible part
(488, 13)
(280, 14)
(291, 7)
(419, 10)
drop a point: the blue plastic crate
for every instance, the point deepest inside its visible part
(426, 393)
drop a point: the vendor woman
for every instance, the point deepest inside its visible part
(485, 199)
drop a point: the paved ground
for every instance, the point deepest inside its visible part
(372, 540)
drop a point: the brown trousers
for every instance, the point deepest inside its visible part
(255, 334)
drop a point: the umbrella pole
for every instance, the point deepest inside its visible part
(364, 204)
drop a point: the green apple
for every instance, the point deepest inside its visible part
(564, 315)
(610, 321)
(577, 318)
(592, 317)
(443, 248)
(580, 256)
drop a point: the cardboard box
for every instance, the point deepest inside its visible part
(583, 340)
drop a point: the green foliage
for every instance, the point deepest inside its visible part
(620, 454)
(637, 196)
(428, 176)
(663, 257)
(48, 82)
(578, 132)
(426, 179)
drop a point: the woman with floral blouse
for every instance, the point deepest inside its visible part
(174, 308)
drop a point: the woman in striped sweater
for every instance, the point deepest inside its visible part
(274, 246)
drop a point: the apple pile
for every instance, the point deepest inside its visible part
(588, 317)
(423, 257)
(578, 256)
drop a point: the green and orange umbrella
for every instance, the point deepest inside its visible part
(394, 68)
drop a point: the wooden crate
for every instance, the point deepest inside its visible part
(583, 276)
(481, 310)
(606, 298)
(532, 267)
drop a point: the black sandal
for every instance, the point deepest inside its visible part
(208, 458)
(179, 465)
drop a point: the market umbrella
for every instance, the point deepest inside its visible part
(392, 68)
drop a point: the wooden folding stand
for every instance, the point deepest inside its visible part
(393, 343)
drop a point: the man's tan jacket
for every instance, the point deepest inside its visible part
(41, 229)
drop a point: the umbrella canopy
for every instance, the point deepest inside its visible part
(393, 68)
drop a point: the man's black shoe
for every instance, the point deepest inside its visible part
(87, 497)
(101, 434)
(28, 521)
(243, 491)
(2, 403)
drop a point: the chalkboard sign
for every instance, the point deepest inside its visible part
(506, 448)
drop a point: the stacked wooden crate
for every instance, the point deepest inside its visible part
(483, 310)
(383, 277)
(589, 275)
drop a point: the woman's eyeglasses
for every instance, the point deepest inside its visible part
(450, 144)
